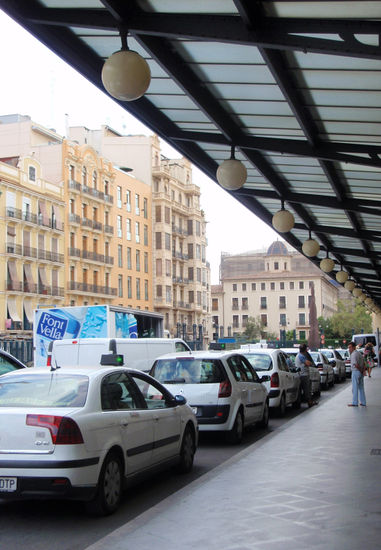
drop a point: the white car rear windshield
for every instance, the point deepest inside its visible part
(188, 371)
(259, 361)
(44, 390)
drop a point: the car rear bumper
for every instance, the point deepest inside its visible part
(48, 487)
(211, 414)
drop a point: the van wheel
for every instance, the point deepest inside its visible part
(109, 490)
(234, 436)
(187, 452)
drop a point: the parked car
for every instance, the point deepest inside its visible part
(347, 360)
(313, 371)
(337, 362)
(282, 382)
(327, 375)
(9, 363)
(91, 431)
(223, 389)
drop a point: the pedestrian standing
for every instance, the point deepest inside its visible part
(303, 364)
(357, 370)
(369, 357)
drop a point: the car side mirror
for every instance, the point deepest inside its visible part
(180, 399)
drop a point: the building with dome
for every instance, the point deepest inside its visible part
(274, 284)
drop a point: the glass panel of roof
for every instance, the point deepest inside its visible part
(258, 107)
(356, 128)
(243, 74)
(196, 127)
(215, 52)
(358, 98)
(341, 80)
(168, 101)
(72, 3)
(331, 62)
(246, 91)
(164, 86)
(274, 132)
(190, 115)
(269, 121)
(196, 6)
(312, 10)
(350, 113)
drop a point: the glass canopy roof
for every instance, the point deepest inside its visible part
(294, 85)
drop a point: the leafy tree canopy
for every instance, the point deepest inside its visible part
(351, 317)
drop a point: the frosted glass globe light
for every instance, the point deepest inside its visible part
(126, 75)
(341, 276)
(327, 265)
(283, 221)
(310, 248)
(231, 174)
(349, 285)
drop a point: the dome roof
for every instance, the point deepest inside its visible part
(277, 248)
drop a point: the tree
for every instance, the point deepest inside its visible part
(350, 317)
(254, 328)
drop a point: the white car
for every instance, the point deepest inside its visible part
(221, 386)
(313, 371)
(327, 375)
(347, 360)
(337, 362)
(282, 384)
(83, 433)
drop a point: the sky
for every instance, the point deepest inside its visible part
(37, 83)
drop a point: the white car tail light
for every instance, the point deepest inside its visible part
(63, 430)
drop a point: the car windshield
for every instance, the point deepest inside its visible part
(43, 390)
(315, 356)
(329, 354)
(6, 365)
(188, 370)
(259, 361)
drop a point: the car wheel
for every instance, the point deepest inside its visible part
(265, 417)
(282, 406)
(297, 404)
(109, 490)
(236, 433)
(187, 452)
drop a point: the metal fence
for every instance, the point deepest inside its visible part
(22, 349)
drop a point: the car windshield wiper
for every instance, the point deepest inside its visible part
(174, 381)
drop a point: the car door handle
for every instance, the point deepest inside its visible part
(124, 424)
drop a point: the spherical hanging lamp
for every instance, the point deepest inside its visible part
(310, 247)
(356, 292)
(327, 264)
(126, 74)
(231, 173)
(341, 276)
(283, 220)
(349, 285)
(368, 301)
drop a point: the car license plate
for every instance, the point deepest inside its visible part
(194, 409)
(8, 484)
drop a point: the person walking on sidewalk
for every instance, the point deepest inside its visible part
(303, 363)
(357, 369)
(369, 357)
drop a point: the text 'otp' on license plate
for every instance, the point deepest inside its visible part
(8, 484)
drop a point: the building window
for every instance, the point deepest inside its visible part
(159, 267)
(310, 284)
(281, 285)
(145, 235)
(282, 319)
(302, 318)
(119, 197)
(272, 286)
(167, 214)
(253, 286)
(198, 252)
(95, 180)
(292, 285)
(245, 319)
(243, 286)
(120, 255)
(263, 302)
(167, 237)
(302, 335)
(234, 287)
(138, 260)
(129, 260)
(158, 240)
(120, 286)
(276, 266)
(129, 287)
(128, 229)
(32, 173)
(282, 302)
(198, 228)
(159, 291)
(198, 274)
(198, 298)
(190, 251)
(145, 208)
(137, 205)
(128, 201)
(190, 273)
(235, 303)
(145, 262)
(301, 285)
(145, 290)
(168, 268)
(119, 226)
(301, 302)
(263, 286)
(137, 232)
(214, 304)
(235, 321)
(245, 303)
(168, 292)
(84, 176)
(191, 296)
(264, 319)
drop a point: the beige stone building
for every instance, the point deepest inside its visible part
(181, 273)
(274, 285)
(32, 213)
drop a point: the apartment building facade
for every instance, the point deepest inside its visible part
(181, 289)
(32, 212)
(275, 286)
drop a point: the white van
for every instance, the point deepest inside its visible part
(136, 353)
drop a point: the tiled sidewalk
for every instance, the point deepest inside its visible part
(314, 484)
